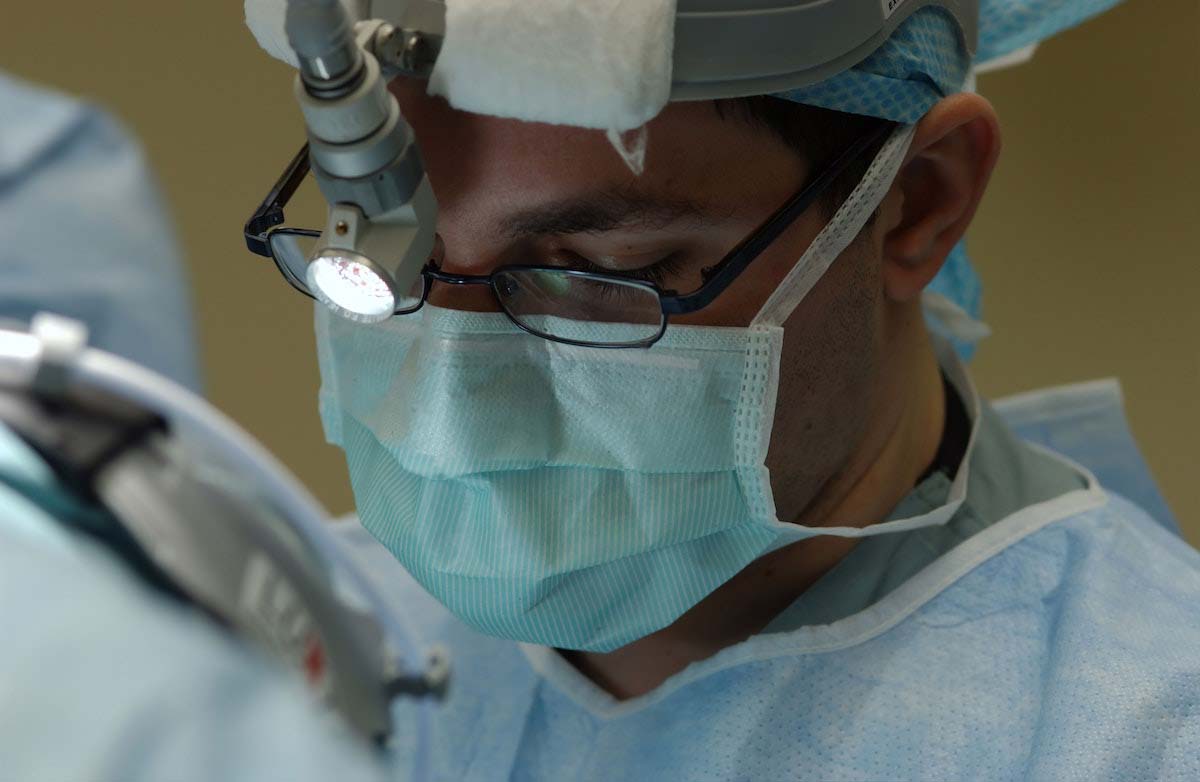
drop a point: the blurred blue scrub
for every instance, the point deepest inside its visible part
(86, 233)
(102, 679)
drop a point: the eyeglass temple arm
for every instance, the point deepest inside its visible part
(728, 269)
(270, 211)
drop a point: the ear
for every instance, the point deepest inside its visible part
(938, 188)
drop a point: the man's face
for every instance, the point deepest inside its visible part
(517, 192)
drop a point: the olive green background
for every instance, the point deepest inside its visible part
(1087, 241)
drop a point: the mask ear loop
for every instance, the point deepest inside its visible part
(839, 232)
(952, 321)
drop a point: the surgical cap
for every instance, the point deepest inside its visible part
(924, 61)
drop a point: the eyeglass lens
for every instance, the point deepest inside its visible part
(561, 304)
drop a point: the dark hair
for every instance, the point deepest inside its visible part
(816, 134)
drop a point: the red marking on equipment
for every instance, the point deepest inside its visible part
(314, 661)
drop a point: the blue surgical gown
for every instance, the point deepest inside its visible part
(1062, 642)
(100, 679)
(85, 233)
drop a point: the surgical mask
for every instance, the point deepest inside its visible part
(571, 496)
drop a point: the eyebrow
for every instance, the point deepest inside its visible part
(601, 212)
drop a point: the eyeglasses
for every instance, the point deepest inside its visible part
(553, 302)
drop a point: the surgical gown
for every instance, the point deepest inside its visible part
(86, 233)
(1060, 642)
(101, 679)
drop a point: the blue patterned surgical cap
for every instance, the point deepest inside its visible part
(925, 61)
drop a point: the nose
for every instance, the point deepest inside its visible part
(470, 298)
(466, 297)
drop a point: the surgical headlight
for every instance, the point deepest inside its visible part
(380, 230)
(366, 269)
(351, 285)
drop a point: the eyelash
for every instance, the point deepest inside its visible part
(654, 273)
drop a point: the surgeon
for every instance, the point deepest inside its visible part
(663, 449)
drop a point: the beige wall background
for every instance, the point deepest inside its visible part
(1087, 241)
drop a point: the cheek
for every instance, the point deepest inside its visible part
(828, 372)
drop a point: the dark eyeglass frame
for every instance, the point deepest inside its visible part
(716, 279)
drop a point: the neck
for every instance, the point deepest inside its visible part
(900, 442)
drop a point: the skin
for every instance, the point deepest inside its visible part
(860, 407)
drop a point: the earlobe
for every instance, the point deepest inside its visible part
(938, 189)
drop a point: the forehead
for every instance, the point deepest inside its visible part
(492, 165)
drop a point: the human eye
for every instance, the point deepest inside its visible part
(659, 271)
